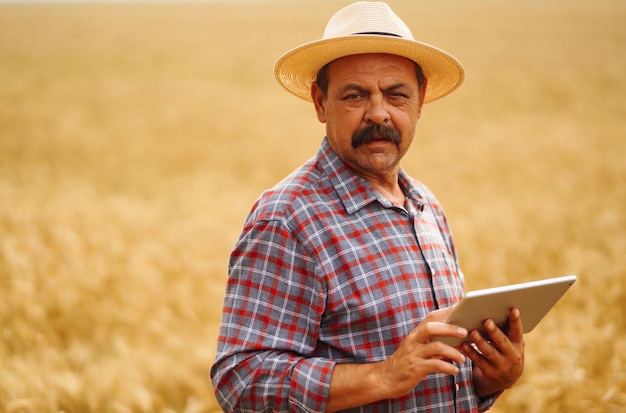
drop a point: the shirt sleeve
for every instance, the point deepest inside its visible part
(270, 322)
(486, 403)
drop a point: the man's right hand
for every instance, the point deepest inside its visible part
(355, 385)
(419, 356)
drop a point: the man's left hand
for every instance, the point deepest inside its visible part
(499, 359)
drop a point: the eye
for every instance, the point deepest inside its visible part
(397, 95)
(352, 96)
(397, 98)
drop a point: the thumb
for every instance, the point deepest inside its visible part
(440, 315)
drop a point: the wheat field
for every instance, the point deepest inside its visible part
(135, 137)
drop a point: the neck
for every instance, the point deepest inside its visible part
(388, 186)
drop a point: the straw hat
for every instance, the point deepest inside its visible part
(367, 27)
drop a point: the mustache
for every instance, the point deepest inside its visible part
(375, 131)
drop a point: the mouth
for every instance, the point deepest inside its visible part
(378, 140)
(377, 134)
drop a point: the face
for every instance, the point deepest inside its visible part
(371, 110)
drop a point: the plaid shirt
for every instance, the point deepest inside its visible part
(328, 271)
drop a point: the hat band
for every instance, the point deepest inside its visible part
(379, 34)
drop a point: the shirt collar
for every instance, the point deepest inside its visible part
(354, 191)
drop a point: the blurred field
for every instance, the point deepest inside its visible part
(134, 138)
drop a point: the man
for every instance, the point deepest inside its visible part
(345, 271)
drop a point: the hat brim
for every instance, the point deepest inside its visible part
(297, 69)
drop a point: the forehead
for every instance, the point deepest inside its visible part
(374, 67)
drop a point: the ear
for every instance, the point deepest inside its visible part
(318, 101)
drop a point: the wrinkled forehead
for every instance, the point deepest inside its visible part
(373, 67)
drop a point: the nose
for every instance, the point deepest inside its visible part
(376, 111)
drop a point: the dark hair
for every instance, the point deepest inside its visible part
(322, 78)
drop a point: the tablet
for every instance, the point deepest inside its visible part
(533, 299)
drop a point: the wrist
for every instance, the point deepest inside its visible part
(354, 385)
(483, 388)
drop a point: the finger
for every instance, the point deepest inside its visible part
(441, 366)
(421, 341)
(497, 338)
(483, 347)
(438, 329)
(502, 342)
(473, 353)
(443, 351)
(516, 328)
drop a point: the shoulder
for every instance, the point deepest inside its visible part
(302, 192)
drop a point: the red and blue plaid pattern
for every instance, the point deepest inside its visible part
(328, 271)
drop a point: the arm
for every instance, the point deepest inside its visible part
(273, 308)
(497, 368)
(355, 385)
(270, 321)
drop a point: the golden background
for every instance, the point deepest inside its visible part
(134, 139)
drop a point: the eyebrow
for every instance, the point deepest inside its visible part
(396, 86)
(358, 88)
(353, 86)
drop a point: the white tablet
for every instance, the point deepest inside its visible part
(533, 299)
